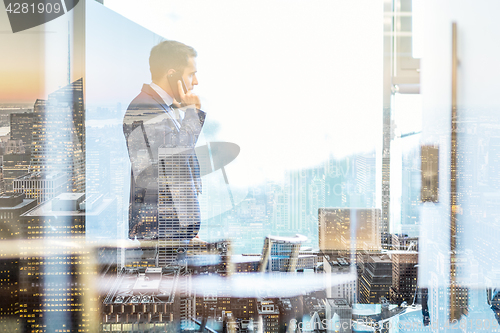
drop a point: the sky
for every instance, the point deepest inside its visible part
(34, 62)
(21, 65)
(292, 82)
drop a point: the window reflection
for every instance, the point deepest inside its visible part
(314, 192)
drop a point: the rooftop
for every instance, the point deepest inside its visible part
(46, 208)
(14, 201)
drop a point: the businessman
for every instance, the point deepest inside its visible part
(161, 127)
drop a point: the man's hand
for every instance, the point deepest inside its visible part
(188, 98)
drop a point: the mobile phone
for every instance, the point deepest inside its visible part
(172, 80)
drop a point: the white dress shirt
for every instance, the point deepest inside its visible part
(174, 113)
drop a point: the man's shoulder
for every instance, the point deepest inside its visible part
(142, 104)
(144, 100)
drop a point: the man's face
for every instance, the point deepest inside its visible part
(189, 74)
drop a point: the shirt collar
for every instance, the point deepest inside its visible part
(163, 94)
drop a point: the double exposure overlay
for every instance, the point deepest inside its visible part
(251, 166)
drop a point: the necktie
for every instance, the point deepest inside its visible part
(177, 114)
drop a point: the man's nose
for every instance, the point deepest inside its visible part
(195, 80)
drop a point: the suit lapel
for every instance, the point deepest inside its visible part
(146, 88)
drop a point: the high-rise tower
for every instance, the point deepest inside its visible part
(58, 143)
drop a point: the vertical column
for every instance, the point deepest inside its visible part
(387, 91)
(458, 296)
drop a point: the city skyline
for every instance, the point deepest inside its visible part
(349, 177)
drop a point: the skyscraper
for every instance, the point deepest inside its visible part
(14, 166)
(178, 211)
(404, 270)
(59, 135)
(343, 229)
(52, 286)
(343, 309)
(21, 128)
(297, 202)
(12, 206)
(375, 280)
(279, 205)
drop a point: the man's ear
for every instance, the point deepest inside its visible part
(171, 71)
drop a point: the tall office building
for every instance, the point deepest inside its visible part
(269, 314)
(41, 186)
(21, 128)
(411, 184)
(277, 205)
(316, 194)
(12, 206)
(337, 231)
(364, 177)
(46, 295)
(144, 213)
(297, 199)
(52, 286)
(14, 166)
(404, 269)
(376, 279)
(98, 166)
(10, 151)
(338, 315)
(345, 290)
(177, 202)
(59, 135)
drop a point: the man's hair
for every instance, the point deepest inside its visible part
(167, 55)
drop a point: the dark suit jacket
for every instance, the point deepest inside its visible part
(165, 177)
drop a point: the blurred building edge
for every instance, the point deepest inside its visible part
(494, 302)
(346, 290)
(338, 315)
(336, 229)
(281, 253)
